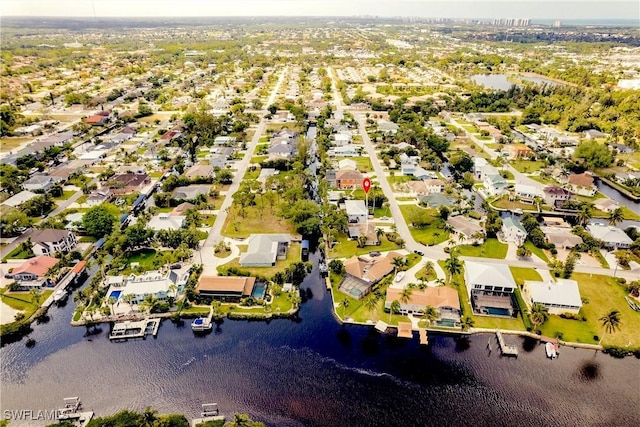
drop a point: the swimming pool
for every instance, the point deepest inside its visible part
(115, 294)
(198, 321)
(498, 311)
(258, 291)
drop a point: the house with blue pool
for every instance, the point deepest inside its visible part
(490, 288)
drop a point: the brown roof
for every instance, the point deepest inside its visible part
(441, 296)
(48, 235)
(130, 179)
(552, 189)
(581, 180)
(38, 265)
(370, 270)
(181, 209)
(348, 174)
(226, 284)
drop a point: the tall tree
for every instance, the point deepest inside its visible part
(453, 266)
(611, 322)
(616, 216)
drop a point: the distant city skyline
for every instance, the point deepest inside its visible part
(465, 9)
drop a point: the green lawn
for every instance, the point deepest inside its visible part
(82, 199)
(292, 256)
(603, 294)
(505, 203)
(363, 164)
(514, 324)
(254, 220)
(536, 251)
(18, 253)
(520, 274)
(66, 194)
(431, 234)
(258, 159)
(23, 301)
(491, 248)
(527, 166)
(346, 248)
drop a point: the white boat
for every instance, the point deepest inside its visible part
(550, 348)
(201, 324)
(399, 276)
(59, 295)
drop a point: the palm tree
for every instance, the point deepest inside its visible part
(149, 303)
(345, 304)
(111, 301)
(371, 303)
(362, 241)
(423, 283)
(398, 263)
(149, 416)
(296, 300)
(36, 296)
(616, 216)
(611, 322)
(466, 323)
(453, 266)
(539, 314)
(440, 281)
(379, 232)
(394, 308)
(584, 214)
(173, 289)
(429, 268)
(405, 295)
(431, 314)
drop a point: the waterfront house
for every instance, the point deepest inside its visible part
(51, 241)
(160, 284)
(490, 288)
(525, 193)
(225, 287)
(582, 184)
(561, 237)
(555, 196)
(265, 249)
(513, 231)
(606, 205)
(362, 273)
(612, 237)
(33, 272)
(561, 296)
(495, 184)
(444, 299)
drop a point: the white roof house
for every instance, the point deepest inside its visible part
(356, 211)
(613, 237)
(265, 249)
(155, 283)
(488, 276)
(562, 296)
(18, 199)
(164, 221)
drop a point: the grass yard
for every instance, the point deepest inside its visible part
(66, 195)
(527, 166)
(256, 219)
(292, 256)
(505, 203)
(258, 159)
(10, 144)
(520, 274)
(251, 174)
(603, 294)
(23, 301)
(380, 212)
(18, 253)
(491, 248)
(540, 253)
(346, 248)
(431, 234)
(363, 164)
(145, 260)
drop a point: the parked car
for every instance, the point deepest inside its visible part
(374, 253)
(418, 252)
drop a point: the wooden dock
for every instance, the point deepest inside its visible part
(210, 412)
(130, 329)
(505, 350)
(424, 339)
(70, 412)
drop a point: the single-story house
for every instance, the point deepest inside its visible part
(225, 287)
(265, 249)
(51, 241)
(181, 209)
(165, 221)
(582, 184)
(33, 269)
(388, 127)
(466, 230)
(513, 231)
(99, 197)
(606, 205)
(612, 237)
(362, 273)
(561, 237)
(444, 299)
(40, 182)
(561, 296)
(191, 192)
(490, 288)
(200, 170)
(127, 183)
(435, 200)
(364, 229)
(19, 198)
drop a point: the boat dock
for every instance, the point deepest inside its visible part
(130, 329)
(210, 412)
(70, 412)
(424, 339)
(203, 324)
(505, 350)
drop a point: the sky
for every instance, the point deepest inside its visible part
(533, 9)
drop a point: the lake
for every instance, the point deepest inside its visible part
(312, 371)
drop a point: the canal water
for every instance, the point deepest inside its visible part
(312, 371)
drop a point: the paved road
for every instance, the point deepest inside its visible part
(207, 257)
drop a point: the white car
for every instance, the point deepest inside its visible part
(399, 276)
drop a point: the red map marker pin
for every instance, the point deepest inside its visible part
(366, 185)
